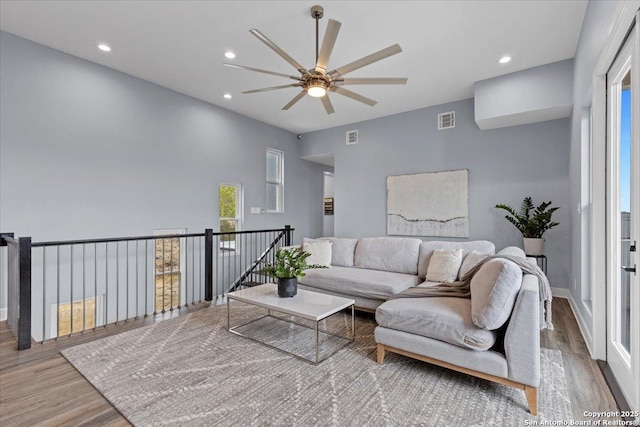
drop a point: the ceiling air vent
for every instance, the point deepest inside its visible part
(447, 120)
(352, 137)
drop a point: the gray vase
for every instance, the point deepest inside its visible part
(287, 287)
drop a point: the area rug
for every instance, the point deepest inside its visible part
(191, 371)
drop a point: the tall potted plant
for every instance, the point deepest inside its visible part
(289, 265)
(532, 221)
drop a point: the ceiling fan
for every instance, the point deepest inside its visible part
(316, 82)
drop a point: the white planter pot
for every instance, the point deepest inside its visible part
(533, 246)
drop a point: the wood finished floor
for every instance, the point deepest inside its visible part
(38, 387)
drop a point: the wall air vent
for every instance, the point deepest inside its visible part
(447, 120)
(352, 137)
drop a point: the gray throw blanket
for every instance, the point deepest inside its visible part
(462, 288)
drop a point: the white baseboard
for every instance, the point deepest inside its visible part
(560, 293)
(3, 314)
(585, 330)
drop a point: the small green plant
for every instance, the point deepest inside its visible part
(289, 263)
(532, 221)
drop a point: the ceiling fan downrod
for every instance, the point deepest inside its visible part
(317, 12)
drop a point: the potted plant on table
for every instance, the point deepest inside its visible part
(289, 265)
(532, 221)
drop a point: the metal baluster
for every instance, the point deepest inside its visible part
(127, 285)
(200, 268)
(154, 278)
(106, 283)
(171, 275)
(186, 271)
(71, 292)
(163, 275)
(117, 282)
(95, 285)
(84, 288)
(216, 254)
(57, 291)
(137, 281)
(146, 278)
(44, 293)
(193, 270)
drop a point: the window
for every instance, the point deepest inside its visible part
(230, 202)
(87, 314)
(168, 266)
(275, 170)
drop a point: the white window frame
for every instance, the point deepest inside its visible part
(238, 218)
(279, 182)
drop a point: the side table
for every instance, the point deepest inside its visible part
(541, 260)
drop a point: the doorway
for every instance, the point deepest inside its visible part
(328, 205)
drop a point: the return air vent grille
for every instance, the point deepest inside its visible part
(352, 137)
(447, 120)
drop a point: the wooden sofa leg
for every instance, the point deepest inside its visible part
(532, 399)
(381, 352)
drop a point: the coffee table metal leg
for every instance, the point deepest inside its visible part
(317, 341)
(353, 323)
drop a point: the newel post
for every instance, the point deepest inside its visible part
(24, 320)
(208, 264)
(288, 234)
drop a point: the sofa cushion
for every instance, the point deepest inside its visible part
(472, 259)
(441, 318)
(513, 251)
(342, 250)
(397, 254)
(319, 252)
(494, 289)
(444, 265)
(427, 248)
(358, 282)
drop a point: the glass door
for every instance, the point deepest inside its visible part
(623, 201)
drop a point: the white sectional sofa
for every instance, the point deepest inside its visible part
(441, 330)
(371, 269)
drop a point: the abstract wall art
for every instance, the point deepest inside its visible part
(429, 204)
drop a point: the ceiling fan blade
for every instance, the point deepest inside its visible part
(265, 89)
(330, 36)
(279, 51)
(363, 62)
(326, 103)
(242, 67)
(353, 95)
(297, 98)
(373, 81)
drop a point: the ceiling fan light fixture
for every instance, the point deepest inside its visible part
(317, 90)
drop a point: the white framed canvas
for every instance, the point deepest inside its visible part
(428, 204)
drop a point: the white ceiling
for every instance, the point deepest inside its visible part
(447, 45)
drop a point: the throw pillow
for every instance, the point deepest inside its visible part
(444, 265)
(494, 289)
(342, 250)
(320, 252)
(472, 259)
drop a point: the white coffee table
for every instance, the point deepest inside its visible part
(308, 305)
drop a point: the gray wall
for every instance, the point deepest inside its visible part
(529, 96)
(86, 151)
(505, 165)
(597, 21)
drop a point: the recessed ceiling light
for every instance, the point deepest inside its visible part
(504, 59)
(229, 55)
(227, 96)
(104, 47)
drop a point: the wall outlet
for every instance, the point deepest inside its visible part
(256, 210)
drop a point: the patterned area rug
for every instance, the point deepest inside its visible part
(192, 371)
